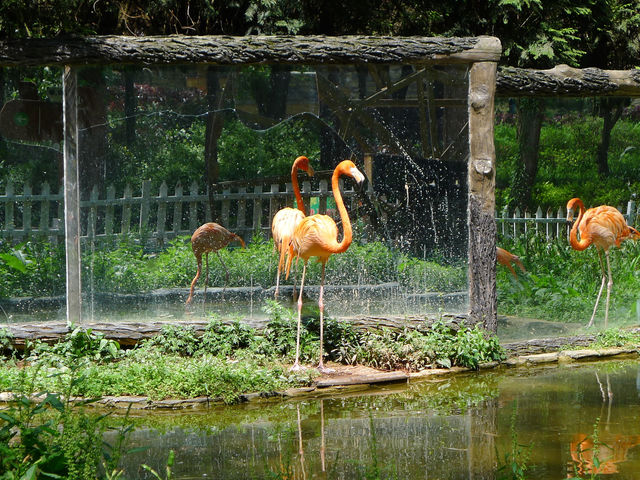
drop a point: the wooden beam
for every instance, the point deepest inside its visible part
(71, 194)
(482, 226)
(563, 80)
(247, 50)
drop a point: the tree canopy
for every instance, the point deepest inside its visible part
(534, 33)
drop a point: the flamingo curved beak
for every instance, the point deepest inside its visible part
(357, 175)
(310, 171)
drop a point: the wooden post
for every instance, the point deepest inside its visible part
(368, 168)
(126, 209)
(225, 208)
(323, 194)
(193, 207)
(26, 209)
(177, 210)
(242, 209)
(45, 193)
(109, 211)
(257, 209)
(162, 213)
(144, 207)
(71, 194)
(631, 211)
(482, 225)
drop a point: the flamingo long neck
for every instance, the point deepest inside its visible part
(347, 236)
(584, 241)
(296, 189)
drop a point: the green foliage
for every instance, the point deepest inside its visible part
(410, 349)
(80, 343)
(5, 341)
(227, 360)
(128, 268)
(32, 267)
(168, 472)
(43, 437)
(514, 464)
(566, 165)
(430, 276)
(562, 283)
(615, 337)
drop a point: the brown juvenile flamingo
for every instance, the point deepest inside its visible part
(505, 259)
(209, 237)
(602, 226)
(317, 236)
(287, 219)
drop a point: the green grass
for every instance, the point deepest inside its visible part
(561, 284)
(228, 360)
(128, 268)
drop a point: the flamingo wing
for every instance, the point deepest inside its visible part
(211, 237)
(315, 236)
(283, 225)
(605, 225)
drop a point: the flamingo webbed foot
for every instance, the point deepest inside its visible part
(297, 367)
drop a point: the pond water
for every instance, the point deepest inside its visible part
(464, 426)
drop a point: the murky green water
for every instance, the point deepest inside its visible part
(458, 427)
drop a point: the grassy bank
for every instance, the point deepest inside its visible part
(231, 359)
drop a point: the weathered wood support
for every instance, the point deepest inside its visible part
(247, 50)
(566, 81)
(482, 226)
(71, 194)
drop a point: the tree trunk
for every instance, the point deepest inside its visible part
(530, 113)
(610, 111)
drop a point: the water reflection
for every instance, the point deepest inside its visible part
(450, 428)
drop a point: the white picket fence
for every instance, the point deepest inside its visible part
(243, 208)
(552, 224)
(156, 216)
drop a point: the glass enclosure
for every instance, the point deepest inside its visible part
(163, 150)
(587, 149)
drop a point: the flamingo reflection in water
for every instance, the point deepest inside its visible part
(290, 470)
(601, 457)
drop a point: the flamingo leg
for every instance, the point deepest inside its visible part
(295, 278)
(322, 443)
(604, 278)
(277, 282)
(609, 285)
(321, 366)
(206, 280)
(226, 272)
(296, 364)
(300, 448)
(195, 279)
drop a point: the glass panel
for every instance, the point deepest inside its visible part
(587, 149)
(165, 149)
(32, 255)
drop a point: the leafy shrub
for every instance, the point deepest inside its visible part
(615, 337)
(411, 349)
(80, 343)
